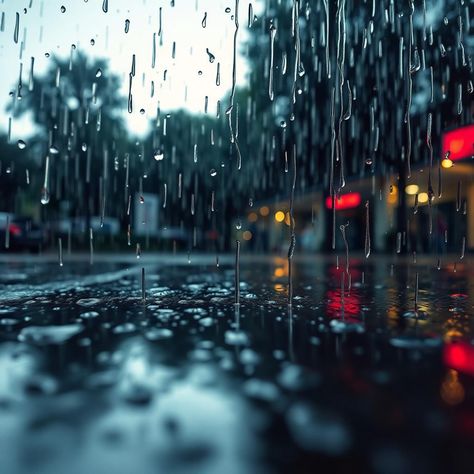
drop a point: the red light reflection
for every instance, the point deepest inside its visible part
(459, 356)
(459, 143)
(344, 201)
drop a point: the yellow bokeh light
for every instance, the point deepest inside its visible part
(392, 197)
(423, 197)
(247, 235)
(279, 272)
(279, 216)
(412, 189)
(264, 211)
(446, 163)
(252, 217)
(287, 218)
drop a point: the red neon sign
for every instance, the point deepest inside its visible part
(459, 143)
(344, 201)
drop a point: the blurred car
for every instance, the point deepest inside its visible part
(20, 233)
(78, 226)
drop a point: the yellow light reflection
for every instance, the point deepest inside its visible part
(422, 198)
(446, 163)
(264, 211)
(412, 189)
(252, 217)
(452, 392)
(247, 235)
(279, 272)
(279, 216)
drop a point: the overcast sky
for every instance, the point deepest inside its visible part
(44, 28)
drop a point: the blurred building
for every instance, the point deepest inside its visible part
(445, 226)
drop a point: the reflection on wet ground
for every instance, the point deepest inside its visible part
(94, 379)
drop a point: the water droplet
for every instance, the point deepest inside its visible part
(213, 172)
(21, 144)
(44, 196)
(63, 9)
(44, 335)
(98, 73)
(212, 58)
(159, 154)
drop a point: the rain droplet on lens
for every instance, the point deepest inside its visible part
(158, 155)
(44, 196)
(98, 73)
(213, 172)
(63, 9)
(21, 144)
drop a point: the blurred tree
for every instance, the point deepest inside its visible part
(75, 107)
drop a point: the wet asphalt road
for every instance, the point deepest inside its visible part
(95, 379)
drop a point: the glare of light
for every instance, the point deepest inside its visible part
(446, 163)
(452, 391)
(423, 197)
(344, 201)
(252, 217)
(287, 219)
(264, 211)
(247, 235)
(392, 195)
(459, 356)
(458, 143)
(412, 189)
(279, 216)
(279, 272)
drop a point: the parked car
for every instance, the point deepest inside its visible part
(20, 233)
(78, 226)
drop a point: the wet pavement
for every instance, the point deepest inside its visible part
(94, 379)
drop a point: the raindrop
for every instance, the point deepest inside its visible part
(21, 144)
(63, 9)
(159, 154)
(127, 25)
(210, 55)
